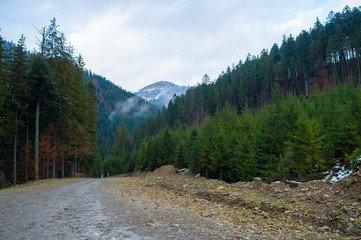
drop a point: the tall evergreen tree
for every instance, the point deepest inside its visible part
(40, 78)
(18, 86)
(305, 145)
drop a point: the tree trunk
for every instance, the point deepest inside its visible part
(62, 164)
(358, 67)
(335, 69)
(15, 144)
(62, 160)
(206, 172)
(75, 163)
(37, 140)
(27, 152)
(54, 155)
(306, 85)
(47, 155)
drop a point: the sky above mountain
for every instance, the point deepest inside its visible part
(136, 43)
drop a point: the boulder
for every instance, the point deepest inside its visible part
(278, 187)
(258, 183)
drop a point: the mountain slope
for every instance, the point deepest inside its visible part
(160, 93)
(116, 106)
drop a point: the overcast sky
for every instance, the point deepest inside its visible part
(136, 43)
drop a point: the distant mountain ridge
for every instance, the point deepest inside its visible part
(160, 93)
(116, 106)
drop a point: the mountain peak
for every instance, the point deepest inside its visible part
(160, 93)
(160, 84)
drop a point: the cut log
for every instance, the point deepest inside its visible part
(293, 183)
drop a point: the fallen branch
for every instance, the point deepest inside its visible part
(293, 183)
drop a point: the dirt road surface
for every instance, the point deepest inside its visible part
(83, 209)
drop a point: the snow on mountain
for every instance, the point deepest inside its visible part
(160, 93)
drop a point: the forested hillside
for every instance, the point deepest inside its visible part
(293, 111)
(47, 109)
(115, 107)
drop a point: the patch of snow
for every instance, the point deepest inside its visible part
(339, 175)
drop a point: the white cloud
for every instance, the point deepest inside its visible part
(303, 21)
(135, 43)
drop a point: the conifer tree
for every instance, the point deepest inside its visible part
(244, 165)
(305, 145)
(40, 78)
(122, 142)
(19, 91)
(193, 147)
(181, 155)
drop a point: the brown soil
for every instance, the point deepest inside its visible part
(313, 210)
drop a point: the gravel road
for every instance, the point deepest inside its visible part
(82, 209)
(71, 210)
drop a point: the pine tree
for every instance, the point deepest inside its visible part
(19, 91)
(245, 163)
(305, 145)
(205, 156)
(122, 142)
(193, 147)
(271, 134)
(181, 155)
(40, 77)
(167, 148)
(5, 109)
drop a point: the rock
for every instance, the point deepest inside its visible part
(278, 187)
(220, 188)
(349, 182)
(265, 215)
(209, 214)
(257, 183)
(325, 229)
(349, 229)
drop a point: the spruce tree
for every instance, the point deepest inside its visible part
(19, 88)
(40, 78)
(305, 145)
